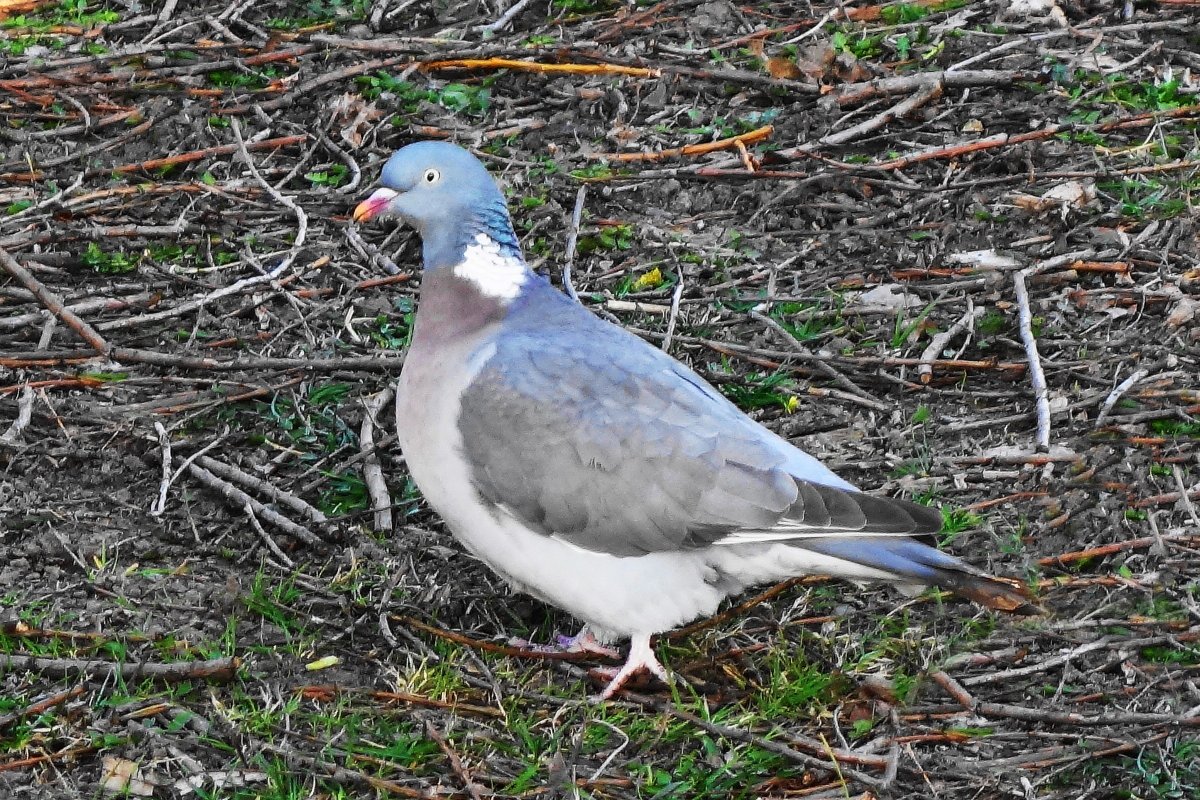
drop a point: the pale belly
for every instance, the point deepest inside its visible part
(616, 597)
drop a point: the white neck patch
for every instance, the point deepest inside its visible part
(494, 272)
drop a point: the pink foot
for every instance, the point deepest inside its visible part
(641, 656)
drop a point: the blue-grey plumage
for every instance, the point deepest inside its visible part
(594, 471)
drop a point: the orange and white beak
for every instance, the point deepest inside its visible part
(371, 207)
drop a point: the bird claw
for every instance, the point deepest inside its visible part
(641, 657)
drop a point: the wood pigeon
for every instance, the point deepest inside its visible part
(595, 472)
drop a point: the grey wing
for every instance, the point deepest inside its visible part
(637, 454)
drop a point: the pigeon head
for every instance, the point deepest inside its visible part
(448, 196)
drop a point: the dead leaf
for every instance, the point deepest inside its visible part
(1074, 193)
(983, 259)
(122, 776)
(354, 115)
(816, 60)
(1184, 312)
(783, 68)
(885, 296)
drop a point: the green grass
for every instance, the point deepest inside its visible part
(108, 262)
(761, 390)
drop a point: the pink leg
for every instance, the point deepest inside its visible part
(641, 656)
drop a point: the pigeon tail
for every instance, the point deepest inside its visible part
(912, 561)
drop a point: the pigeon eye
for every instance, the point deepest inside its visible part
(432, 176)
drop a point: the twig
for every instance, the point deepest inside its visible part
(534, 66)
(199, 155)
(164, 443)
(217, 669)
(924, 94)
(266, 537)
(491, 647)
(328, 692)
(572, 240)
(676, 296)
(1108, 549)
(505, 18)
(1005, 139)
(240, 499)
(456, 763)
(40, 706)
(1115, 395)
(939, 342)
(822, 366)
(278, 496)
(1184, 496)
(54, 304)
(372, 470)
(1036, 376)
(25, 401)
(691, 149)
(282, 199)
(825, 755)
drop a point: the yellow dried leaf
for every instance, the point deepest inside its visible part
(322, 663)
(650, 280)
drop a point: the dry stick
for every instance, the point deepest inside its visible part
(164, 442)
(691, 149)
(54, 304)
(217, 669)
(240, 499)
(925, 94)
(266, 537)
(938, 342)
(307, 88)
(1004, 139)
(1108, 549)
(40, 706)
(456, 763)
(25, 401)
(822, 366)
(491, 647)
(66, 754)
(676, 296)
(191, 305)
(327, 692)
(535, 66)
(962, 79)
(199, 155)
(965, 699)
(744, 606)
(372, 470)
(1115, 395)
(572, 239)
(1036, 376)
(278, 496)
(1183, 494)
(505, 18)
(282, 199)
(82, 307)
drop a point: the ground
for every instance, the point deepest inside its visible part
(889, 223)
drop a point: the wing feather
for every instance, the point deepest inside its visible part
(637, 454)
